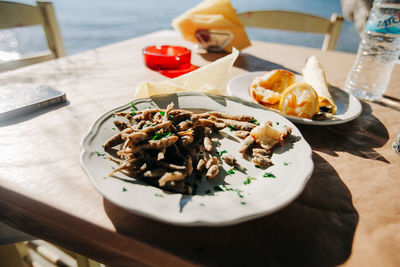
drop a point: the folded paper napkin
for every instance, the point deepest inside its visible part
(217, 15)
(211, 78)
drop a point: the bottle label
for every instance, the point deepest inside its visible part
(390, 24)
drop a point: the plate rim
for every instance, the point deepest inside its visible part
(294, 192)
(352, 99)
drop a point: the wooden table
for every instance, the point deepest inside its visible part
(348, 214)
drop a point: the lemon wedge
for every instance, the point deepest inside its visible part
(299, 99)
(277, 80)
(267, 89)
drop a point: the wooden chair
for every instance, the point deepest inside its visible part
(40, 253)
(18, 249)
(14, 15)
(295, 21)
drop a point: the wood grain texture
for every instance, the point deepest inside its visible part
(19, 15)
(348, 213)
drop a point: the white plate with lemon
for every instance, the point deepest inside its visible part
(292, 95)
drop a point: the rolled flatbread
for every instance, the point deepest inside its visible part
(314, 74)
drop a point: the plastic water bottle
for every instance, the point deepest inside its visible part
(377, 53)
(396, 144)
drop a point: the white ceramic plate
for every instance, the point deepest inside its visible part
(348, 106)
(292, 167)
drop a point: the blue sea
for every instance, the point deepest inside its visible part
(87, 24)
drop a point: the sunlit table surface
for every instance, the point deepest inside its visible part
(349, 212)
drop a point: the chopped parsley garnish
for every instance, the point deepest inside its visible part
(231, 171)
(124, 189)
(286, 163)
(222, 152)
(163, 114)
(113, 128)
(243, 203)
(257, 166)
(231, 127)
(277, 123)
(202, 204)
(255, 121)
(158, 136)
(238, 191)
(158, 195)
(133, 109)
(100, 154)
(268, 175)
(102, 146)
(248, 180)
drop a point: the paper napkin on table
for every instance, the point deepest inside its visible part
(211, 78)
(212, 15)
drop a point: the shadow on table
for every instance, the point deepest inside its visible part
(359, 137)
(317, 229)
(389, 102)
(248, 62)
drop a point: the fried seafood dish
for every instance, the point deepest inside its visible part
(164, 147)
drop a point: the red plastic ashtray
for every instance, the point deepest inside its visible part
(167, 57)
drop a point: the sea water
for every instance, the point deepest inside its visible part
(87, 24)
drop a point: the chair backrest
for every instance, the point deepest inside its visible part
(14, 15)
(295, 21)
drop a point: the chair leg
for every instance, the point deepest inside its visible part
(19, 255)
(10, 256)
(86, 262)
(60, 256)
(81, 261)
